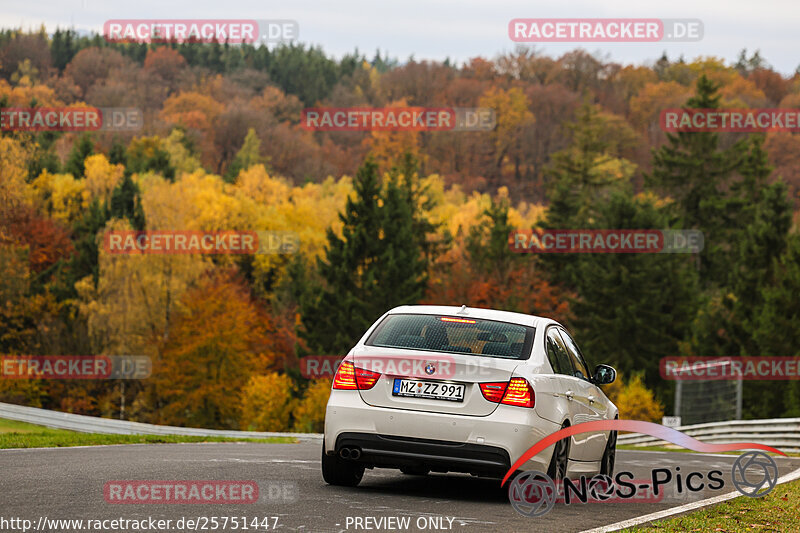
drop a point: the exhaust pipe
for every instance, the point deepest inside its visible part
(350, 453)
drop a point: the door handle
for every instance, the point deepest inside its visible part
(591, 399)
(569, 394)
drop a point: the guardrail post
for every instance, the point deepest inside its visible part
(739, 398)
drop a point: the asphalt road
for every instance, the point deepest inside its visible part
(68, 483)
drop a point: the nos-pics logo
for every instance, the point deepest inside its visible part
(534, 493)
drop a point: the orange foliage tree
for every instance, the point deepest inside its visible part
(165, 62)
(47, 241)
(219, 339)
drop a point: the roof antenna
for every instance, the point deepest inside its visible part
(463, 310)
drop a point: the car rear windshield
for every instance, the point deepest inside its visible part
(454, 334)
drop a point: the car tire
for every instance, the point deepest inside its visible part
(557, 470)
(341, 472)
(609, 456)
(415, 471)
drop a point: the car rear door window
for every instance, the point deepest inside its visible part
(578, 365)
(557, 353)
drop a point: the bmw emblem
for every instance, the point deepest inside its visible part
(430, 369)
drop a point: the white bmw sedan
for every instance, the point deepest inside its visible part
(448, 389)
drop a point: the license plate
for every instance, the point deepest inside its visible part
(428, 389)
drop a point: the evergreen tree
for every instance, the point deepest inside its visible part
(43, 156)
(62, 48)
(487, 243)
(406, 175)
(306, 73)
(232, 58)
(77, 157)
(578, 184)
(375, 266)
(213, 57)
(766, 216)
(575, 182)
(84, 261)
(401, 269)
(694, 170)
(116, 155)
(729, 320)
(633, 309)
(778, 332)
(126, 202)
(149, 154)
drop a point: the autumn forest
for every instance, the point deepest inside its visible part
(384, 218)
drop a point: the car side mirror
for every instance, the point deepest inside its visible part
(604, 374)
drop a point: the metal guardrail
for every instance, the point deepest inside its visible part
(92, 424)
(781, 433)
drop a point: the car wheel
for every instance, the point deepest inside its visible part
(557, 470)
(609, 456)
(338, 471)
(415, 471)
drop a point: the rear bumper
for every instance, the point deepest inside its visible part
(392, 438)
(389, 451)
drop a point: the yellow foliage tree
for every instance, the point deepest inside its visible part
(101, 177)
(270, 203)
(309, 414)
(61, 196)
(456, 212)
(13, 173)
(179, 156)
(512, 115)
(634, 400)
(267, 403)
(135, 296)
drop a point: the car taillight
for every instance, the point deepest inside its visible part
(493, 391)
(349, 377)
(519, 393)
(516, 392)
(366, 379)
(345, 377)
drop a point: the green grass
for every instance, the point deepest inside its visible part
(15, 434)
(777, 511)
